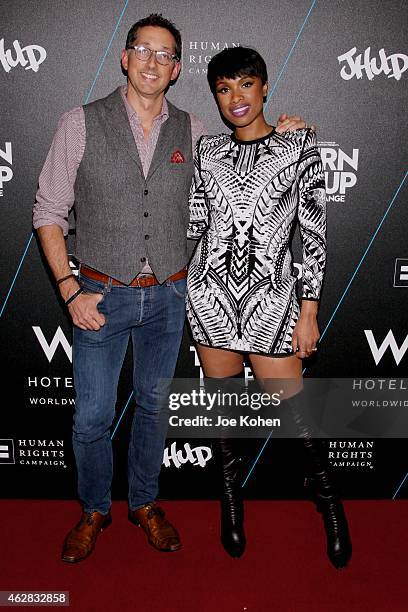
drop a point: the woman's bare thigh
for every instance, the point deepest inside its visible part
(219, 363)
(271, 371)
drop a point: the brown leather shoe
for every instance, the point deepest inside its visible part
(80, 541)
(160, 533)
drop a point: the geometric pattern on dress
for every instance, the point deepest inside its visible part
(246, 199)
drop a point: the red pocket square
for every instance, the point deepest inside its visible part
(177, 158)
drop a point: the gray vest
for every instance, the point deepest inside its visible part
(123, 218)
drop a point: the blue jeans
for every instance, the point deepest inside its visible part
(153, 317)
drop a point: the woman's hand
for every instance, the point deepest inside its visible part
(306, 333)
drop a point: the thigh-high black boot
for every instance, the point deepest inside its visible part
(232, 505)
(229, 464)
(322, 490)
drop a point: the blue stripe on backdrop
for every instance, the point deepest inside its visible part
(16, 275)
(87, 96)
(364, 254)
(362, 259)
(121, 416)
(256, 460)
(298, 35)
(373, 237)
(400, 486)
(104, 56)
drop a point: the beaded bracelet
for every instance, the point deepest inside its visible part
(73, 296)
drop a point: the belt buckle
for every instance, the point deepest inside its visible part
(141, 280)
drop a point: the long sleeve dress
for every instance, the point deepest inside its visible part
(245, 200)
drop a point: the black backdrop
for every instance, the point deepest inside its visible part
(340, 65)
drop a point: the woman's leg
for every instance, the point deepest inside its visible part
(339, 547)
(219, 363)
(269, 371)
(220, 368)
(276, 367)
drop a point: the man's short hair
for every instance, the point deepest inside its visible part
(156, 20)
(236, 62)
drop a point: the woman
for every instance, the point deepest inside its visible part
(249, 189)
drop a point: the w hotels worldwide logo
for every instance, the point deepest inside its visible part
(29, 57)
(340, 170)
(393, 66)
(6, 172)
(51, 347)
(378, 349)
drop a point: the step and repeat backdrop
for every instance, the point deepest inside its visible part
(342, 66)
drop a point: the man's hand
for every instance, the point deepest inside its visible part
(291, 123)
(84, 311)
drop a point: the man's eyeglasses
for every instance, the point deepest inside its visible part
(144, 53)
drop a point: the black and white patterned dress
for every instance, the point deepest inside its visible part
(245, 199)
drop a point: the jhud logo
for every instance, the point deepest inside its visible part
(30, 57)
(392, 65)
(198, 455)
(6, 172)
(340, 170)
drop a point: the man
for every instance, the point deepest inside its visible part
(127, 163)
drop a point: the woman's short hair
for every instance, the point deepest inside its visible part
(236, 62)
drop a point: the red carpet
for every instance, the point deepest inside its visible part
(284, 569)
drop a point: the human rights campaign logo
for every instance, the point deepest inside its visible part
(401, 272)
(7, 451)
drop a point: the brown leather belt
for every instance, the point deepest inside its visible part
(145, 280)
